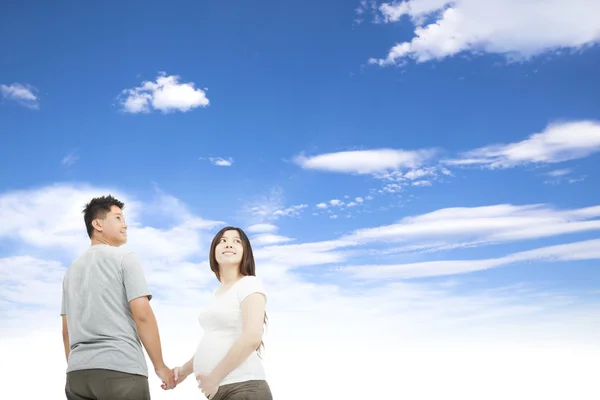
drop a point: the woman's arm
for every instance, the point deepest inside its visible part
(180, 373)
(253, 312)
(188, 367)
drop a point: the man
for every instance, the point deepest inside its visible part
(106, 315)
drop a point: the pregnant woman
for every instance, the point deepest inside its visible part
(227, 364)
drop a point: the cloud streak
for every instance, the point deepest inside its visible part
(559, 142)
(363, 162)
(482, 225)
(584, 250)
(22, 94)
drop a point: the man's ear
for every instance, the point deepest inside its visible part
(97, 225)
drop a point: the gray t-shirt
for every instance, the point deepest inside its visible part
(97, 289)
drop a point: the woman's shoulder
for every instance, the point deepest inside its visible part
(250, 284)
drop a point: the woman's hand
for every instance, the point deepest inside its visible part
(179, 375)
(208, 384)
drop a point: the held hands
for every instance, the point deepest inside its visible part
(179, 375)
(208, 384)
(172, 377)
(166, 375)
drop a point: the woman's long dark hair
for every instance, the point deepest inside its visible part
(246, 267)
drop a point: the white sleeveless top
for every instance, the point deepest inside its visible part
(221, 321)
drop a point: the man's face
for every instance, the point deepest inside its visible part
(113, 228)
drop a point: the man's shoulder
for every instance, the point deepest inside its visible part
(113, 250)
(103, 254)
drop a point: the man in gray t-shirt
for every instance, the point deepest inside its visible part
(107, 315)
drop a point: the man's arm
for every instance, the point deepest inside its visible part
(148, 329)
(65, 336)
(138, 296)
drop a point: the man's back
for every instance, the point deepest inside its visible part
(97, 289)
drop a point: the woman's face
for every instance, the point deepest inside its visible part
(229, 250)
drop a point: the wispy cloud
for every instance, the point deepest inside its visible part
(272, 206)
(477, 26)
(557, 173)
(69, 159)
(166, 95)
(365, 8)
(292, 211)
(482, 225)
(365, 161)
(269, 239)
(584, 250)
(558, 176)
(22, 94)
(219, 161)
(262, 228)
(557, 143)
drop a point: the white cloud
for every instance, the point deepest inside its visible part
(22, 94)
(30, 281)
(292, 211)
(557, 143)
(166, 95)
(426, 327)
(421, 183)
(559, 172)
(365, 7)
(336, 203)
(512, 28)
(269, 239)
(221, 162)
(303, 254)
(391, 188)
(322, 205)
(365, 161)
(359, 200)
(262, 228)
(584, 250)
(271, 207)
(51, 218)
(482, 225)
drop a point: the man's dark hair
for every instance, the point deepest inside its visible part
(98, 207)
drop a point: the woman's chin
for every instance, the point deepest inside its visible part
(228, 262)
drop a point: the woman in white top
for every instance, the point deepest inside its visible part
(227, 364)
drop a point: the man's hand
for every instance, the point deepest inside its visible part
(208, 385)
(166, 375)
(179, 375)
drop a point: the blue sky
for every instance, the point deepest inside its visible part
(426, 159)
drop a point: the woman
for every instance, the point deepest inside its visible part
(226, 364)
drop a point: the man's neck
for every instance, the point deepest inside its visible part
(99, 240)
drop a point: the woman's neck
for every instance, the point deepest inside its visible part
(229, 275)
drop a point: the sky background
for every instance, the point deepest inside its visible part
(419, 181)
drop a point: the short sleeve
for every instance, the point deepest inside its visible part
(63, 302)
(250, 284)
(134, 279)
